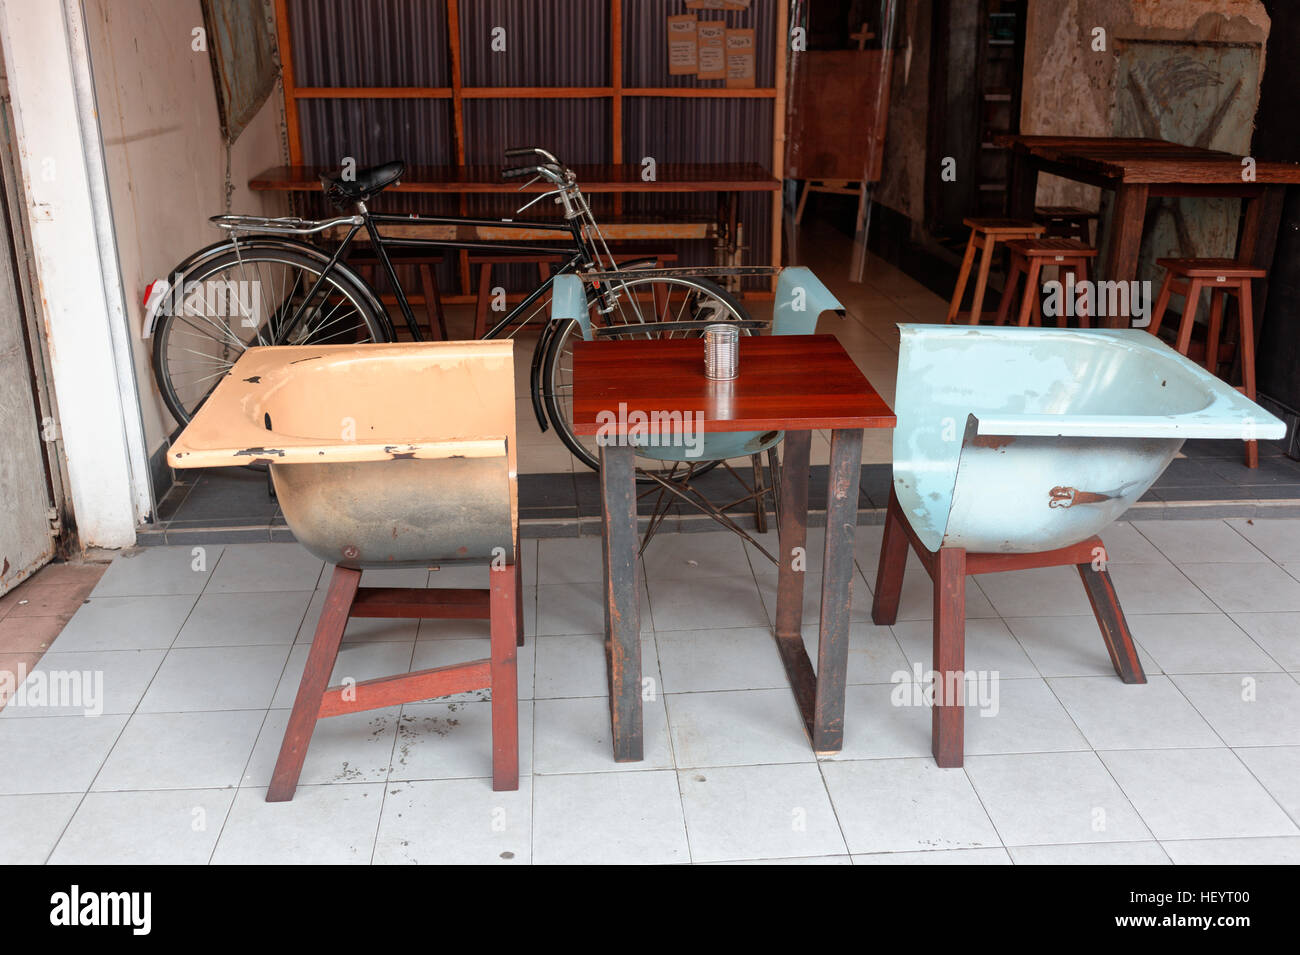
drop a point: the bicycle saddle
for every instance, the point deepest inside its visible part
(363, 184)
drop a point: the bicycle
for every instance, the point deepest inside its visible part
(285, 290)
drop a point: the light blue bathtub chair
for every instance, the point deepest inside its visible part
(1014, 448)
(799, 302)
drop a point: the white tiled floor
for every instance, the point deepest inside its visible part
(1200, 764)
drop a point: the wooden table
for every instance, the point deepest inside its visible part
(1140, 169)
(796, 384)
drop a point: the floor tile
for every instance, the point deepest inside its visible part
(627, 818)
(737, 728)
(1018, 716)
(884, 720)
(1159, 588)
(574, 665)
(175, 827)
(937, 857)
(706, 603)
(1246, 587)
(1260, 709)
(1278, 634)
(455, 822)
(1041, 592)
(690, 556)
(1280, 850)
(990, 648)
(805, 860)
(231, 620)
(1198, 643)
(574, 736)
(321, 825)
(571, 560)
(1092, 853)
(758, 812)
(1276, 538)
(438, 653)
(81, 745)
(1053, 798)
(743, 658)
(1196, 794)
(151, 571)
(874, 653)
(579, 608)
(1070, 646)
(1189, 542)
(256, 568)
(351, 748)
(859, 597)
(1125, 543)
(215, 678)
(453, 741)
(85, 684)
(905, 805)
(30, 825)
(181, 751)
(125, 623)
(1117, 715)
(1278, 769)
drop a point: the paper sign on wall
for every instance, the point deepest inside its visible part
(682, 58)
(713, 56)
(740, 58)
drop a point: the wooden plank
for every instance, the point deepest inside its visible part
(432, 603)
(947, 715)
(315, 677)
(892, 565)
(405, 688)
(1127, 217)
(622, 599)
(536, 92)
(838, 569)
(778, 132)
(702, 92)
(793, 535)
(506, 636)
(287, 79)
(1110, 618)
(616, 78)
(374, 92)
(457, 105)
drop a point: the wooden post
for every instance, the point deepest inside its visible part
(622, 598)
(504, 588)
(948, 710)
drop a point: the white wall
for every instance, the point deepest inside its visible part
(165, 154)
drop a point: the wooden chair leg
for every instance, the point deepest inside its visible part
(760, 509)
(1080, 270)
(1018, 264)
(504, 588)
(1214, 330)
(982, 281)
(1029, 303)
(892, 566)
(1191, 301)
(483, 301)
(1246, 334)
(963, 276)
(948, 711)
(1162, 303)
(315, 679)
(1114, 628)
(433, 302)
(519, 596)
(774, 471)
(803, 201)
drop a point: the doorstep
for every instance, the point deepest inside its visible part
(230, 507)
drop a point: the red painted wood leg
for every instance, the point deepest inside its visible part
(1114, 628)
(948, 711)
(892, 566)
(315, 678)
(504, 586)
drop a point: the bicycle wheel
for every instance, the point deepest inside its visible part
(638, 302)
(236, 300)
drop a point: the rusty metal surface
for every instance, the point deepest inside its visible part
(401, 513)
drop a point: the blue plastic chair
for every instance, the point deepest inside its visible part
(800, 299)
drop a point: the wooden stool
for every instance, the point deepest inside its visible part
(1029, 257)
(501, 603)
(948, 568)
(1223, 277)
(1066, 222)
(985, 234)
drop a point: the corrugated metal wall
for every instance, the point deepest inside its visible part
(548, 43)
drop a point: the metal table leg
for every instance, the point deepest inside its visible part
(622, 599)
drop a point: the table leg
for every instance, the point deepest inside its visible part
(837, 578)
(622, 600)
(1024, 187)
(1257, 242)
(1128, 215)
(793, 561)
